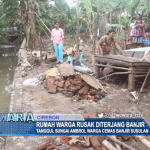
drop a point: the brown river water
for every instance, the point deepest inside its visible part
(8, 63)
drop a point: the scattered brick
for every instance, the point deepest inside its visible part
(53, 89)
(103, 148)
(68, 94)
(90, 115)
(81, 90)
(78, 77)
(98, 148)
(60, 83)
(67, 83)
(104, 83)
(58, 78)
(71, 81)
(77, 98)
(101, 138)
(65, 88)
(77, 82)
(59, 89)
(50, 81)
(84, 83)
(76, 147)
(92, 98)
(97, 97)
(102, 93)
(86, 89)
(72, 89)
(94, 141)
(43, 145)
(94, 92)
(52, 146)
(85, 97)
(126, 137)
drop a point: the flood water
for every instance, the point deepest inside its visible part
(8, 63)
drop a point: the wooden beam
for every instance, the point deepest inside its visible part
(115, 73)
(102, 66)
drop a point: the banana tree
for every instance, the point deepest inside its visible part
(132, 7)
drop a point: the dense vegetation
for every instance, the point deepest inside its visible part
(86, 17)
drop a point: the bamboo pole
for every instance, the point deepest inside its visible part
(145, 81)
(43, 30)
(117, 145)
(43, 23)
(108, 145)
(119, 142)
(144, 141)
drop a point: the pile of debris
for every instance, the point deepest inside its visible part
(65, 80)
(71, 86)
(89, 143)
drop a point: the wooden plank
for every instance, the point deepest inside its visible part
(121, 63)
(122, 68)
(139, 76)
(120, 57)
(53, 57)
(113, 62)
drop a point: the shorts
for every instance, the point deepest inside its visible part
(138, 39)
(147, 42)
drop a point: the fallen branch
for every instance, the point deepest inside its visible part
(120, 143)
(144, 141)
(108, 145)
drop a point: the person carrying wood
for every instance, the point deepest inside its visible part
(106, 43)
(57, 39)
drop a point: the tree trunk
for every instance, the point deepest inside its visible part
(32, 23)
(110, 17)
(77, 29)
(147, 12)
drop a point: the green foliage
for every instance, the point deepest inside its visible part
(115, 25)
(132, 7)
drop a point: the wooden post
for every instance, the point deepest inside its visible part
(131, 81)
(97, 71)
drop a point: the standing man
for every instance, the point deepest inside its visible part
(57, 39)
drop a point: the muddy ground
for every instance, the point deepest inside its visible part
(39, 101)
